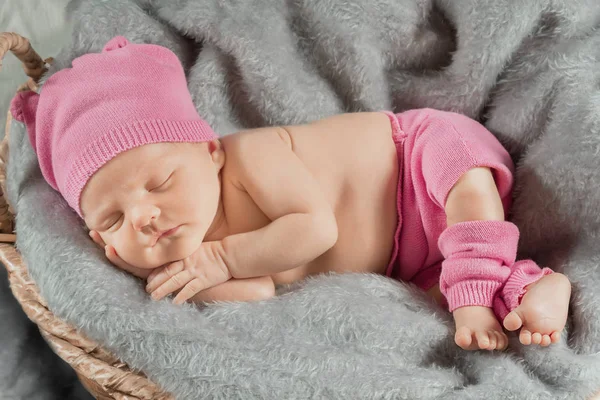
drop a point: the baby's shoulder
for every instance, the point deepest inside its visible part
(255, 143)
(255, 149)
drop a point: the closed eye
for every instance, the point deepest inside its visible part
(162, 185)
(115, 222)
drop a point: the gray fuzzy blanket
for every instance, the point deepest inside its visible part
(530, 70)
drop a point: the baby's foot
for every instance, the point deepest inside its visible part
(477, 328)
(542, 313)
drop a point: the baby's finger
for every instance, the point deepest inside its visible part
(161, 275)
(113, 257)
(155, 272)
(176, 282)
(97, 239)
(189, 291)
(111, 254)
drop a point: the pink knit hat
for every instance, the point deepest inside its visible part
(127, 96)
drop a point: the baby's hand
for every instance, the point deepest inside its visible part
(113, 257)
(202, 270)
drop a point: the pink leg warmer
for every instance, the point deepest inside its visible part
(479, 268)
(477, 260)
(523, 273)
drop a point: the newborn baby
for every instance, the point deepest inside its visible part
(419, 196)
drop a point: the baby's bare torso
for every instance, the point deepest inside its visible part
(353, 158)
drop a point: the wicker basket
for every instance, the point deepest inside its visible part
(102, 374)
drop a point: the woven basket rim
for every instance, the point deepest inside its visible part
(101, 373)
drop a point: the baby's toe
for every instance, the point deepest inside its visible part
(493, 340)
(463, 337)
(513, 320)
(546, 340)
(555, 337)
(536, 338)
(483, 339)
(525, 337)
(502, 340)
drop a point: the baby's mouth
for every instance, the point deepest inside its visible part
(160, 234)
(170, 231)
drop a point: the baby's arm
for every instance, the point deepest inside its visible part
(251, 289)
(263, 165)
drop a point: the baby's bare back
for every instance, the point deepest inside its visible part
(353, 159)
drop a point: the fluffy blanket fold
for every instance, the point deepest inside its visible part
(530, 71)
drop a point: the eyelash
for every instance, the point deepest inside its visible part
(162, 184)
(116, 222)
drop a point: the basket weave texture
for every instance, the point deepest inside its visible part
(102, 374)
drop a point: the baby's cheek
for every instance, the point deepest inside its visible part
(136, 256)
(126, 249)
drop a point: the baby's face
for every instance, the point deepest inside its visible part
(154, 204)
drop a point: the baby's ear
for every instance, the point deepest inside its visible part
(216, 152)
(214, 145)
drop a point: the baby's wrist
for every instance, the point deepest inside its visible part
(230, 248)
(218, 253)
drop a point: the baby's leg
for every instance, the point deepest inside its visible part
(478, 247)
(250, 289)
(538, 301)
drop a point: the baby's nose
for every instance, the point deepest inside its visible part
(143, 217)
